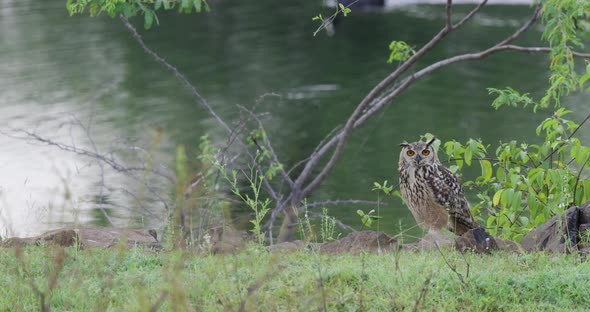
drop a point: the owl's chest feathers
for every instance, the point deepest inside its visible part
(419, 196)
(414, 186)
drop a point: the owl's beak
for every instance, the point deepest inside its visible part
(418, 159)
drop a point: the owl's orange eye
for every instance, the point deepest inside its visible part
(425, 152)
(410, 153)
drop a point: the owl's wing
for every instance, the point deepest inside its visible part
(449, 194)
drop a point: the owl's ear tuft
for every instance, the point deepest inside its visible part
(431, 141)
(404, 144)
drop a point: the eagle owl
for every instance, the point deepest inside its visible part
(432, 192)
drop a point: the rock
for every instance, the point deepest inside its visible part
(508, 245)
(431, 241)
(584, 213)
(559, 234)
(225, 239)
(287, 246)
(100, 237)
(476, 240)
(357, 242)
(106, 237)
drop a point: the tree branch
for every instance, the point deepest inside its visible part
(268, 145)
(449, 14)
(360, 109)
(199, 97)
(470, 14)
(543, 49)
(343, 202)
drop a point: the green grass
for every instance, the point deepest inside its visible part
(132, 280)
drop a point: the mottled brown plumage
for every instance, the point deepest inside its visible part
(431, 191)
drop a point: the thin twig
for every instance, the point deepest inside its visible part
(452, 267)
(198, 96)
(254, 287)
(569, 137)
(342, 202)
(268, 146)
(543, 49)
(100, 166)
(156, 306)
(331, 18)
(578, 178)
(470, 14)
(423, 292)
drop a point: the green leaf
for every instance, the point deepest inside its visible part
(586, 188)
(497, 197)
(400, 51)
(500, 174)
(486, 170)
(516, 200)
(468, 155)
(148, 18)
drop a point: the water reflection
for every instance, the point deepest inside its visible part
(257, 54)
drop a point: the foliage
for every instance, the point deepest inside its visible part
(523, 185)
(399, 51)
(259, 140)
(130, 8)
(368, 218)
(325, 23)
(259, 207)
(134, 280)
(562, 34)
(328, 228)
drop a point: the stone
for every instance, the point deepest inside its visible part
(559, 234)
(106, 237)
(287, 246)
(476, 240)
(508, 245)
(431, 241)
(584, 213)
(363, 241)
(96, 237)
(224, 239)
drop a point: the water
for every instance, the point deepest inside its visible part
(59, 73)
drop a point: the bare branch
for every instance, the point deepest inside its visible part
(84, 152)
(359, 112)
(268, 145)
(100, 165)
(449, 14)
(502, 46)
(174, 70)
(523, 28)
(316, 150)
(470, 14)
(200, 99)
(343, 202)
(543, 49)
